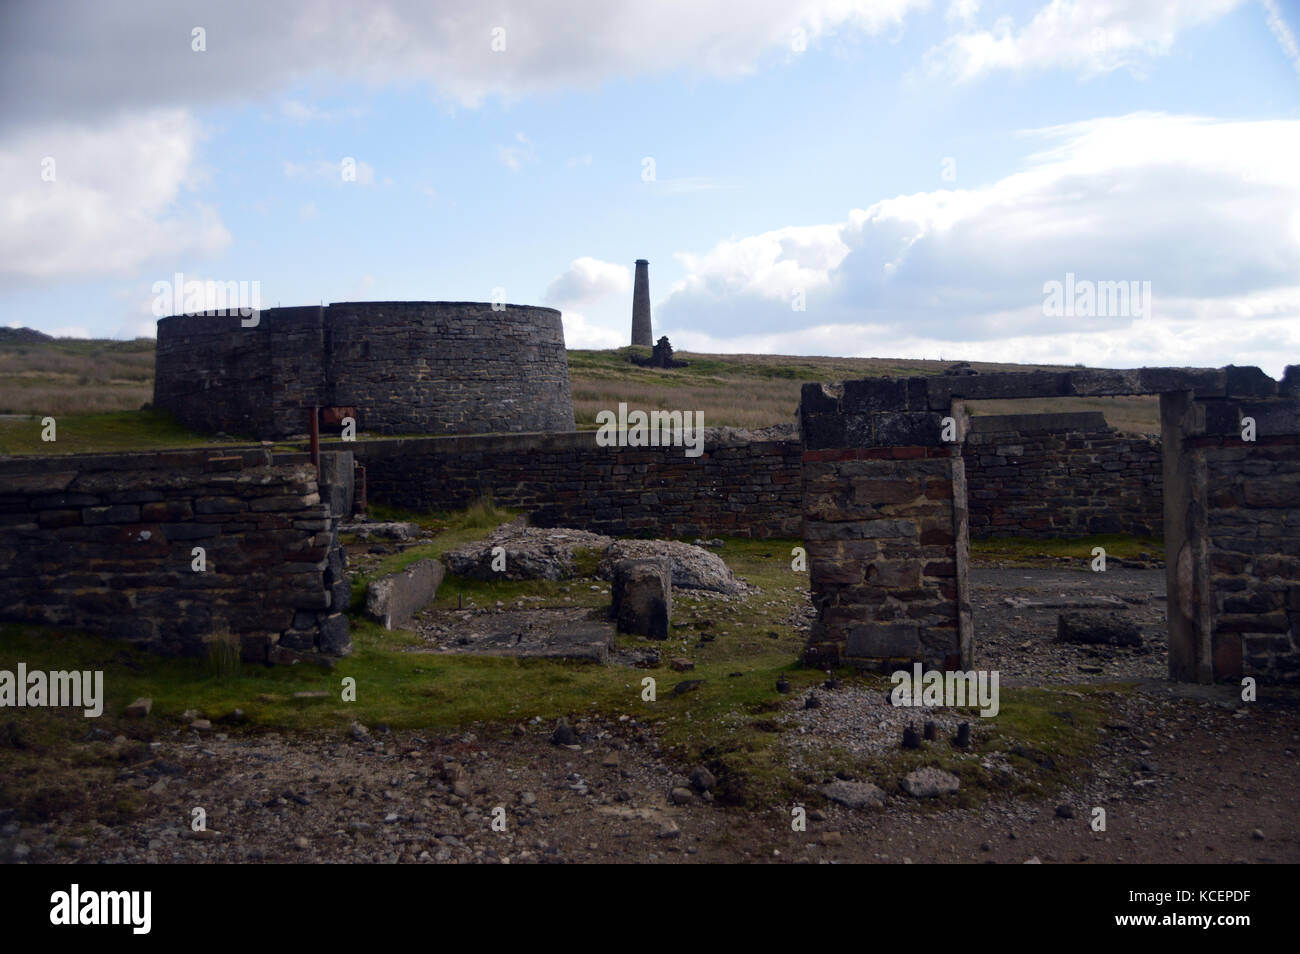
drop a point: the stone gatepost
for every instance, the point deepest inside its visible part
(1232, 533)
(885, 526)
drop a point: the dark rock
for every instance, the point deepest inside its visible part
(1097, 627)
(642, 597)
(702, 779)
(564, 734)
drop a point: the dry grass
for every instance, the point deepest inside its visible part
(740, 404)
(74, 377)
(71, 376)
(758, 390)
(1134, 414)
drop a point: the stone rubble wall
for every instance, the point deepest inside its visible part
(103, 543)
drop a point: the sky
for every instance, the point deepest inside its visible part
(885, 178)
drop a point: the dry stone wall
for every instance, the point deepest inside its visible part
(1060, 475)
(737, 488)
(104, 544)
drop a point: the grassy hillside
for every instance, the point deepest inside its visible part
(95, 390)
(757, 390)
(69, 375)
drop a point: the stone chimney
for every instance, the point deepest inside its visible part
(641, 333)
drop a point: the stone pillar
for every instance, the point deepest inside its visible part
(885, 526)
(1249, 607)
(641, 331)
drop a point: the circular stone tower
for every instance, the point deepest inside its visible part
(403, 367)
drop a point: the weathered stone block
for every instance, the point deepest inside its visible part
(335, 635)
(876, 640)
(393, 600)
(642, 597)
(1248, 382)
(872, 395)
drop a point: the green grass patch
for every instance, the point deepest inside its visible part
(733, 721)
(100, 433)
(1027, 551)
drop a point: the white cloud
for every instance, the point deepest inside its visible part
(1204, 210)
(1088, 36)
(1285, 38)
(296, 111)
(962, 10)
(582, 332)
(120, 198)
(514, 157)
(586, 282)
(256, 48)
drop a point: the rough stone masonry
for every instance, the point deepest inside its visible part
(404, 367)
(887, 529)
(105, 544)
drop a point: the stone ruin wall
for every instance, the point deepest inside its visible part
(1055, 485)
(735, 488)
(1060, 475)
(405, 367)
(103, 544)
(886, 524)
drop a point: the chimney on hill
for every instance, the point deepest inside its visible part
(641, 333)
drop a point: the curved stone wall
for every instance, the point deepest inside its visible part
(405, 367)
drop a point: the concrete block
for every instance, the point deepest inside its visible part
(392, 600)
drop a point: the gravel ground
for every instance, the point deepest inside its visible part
(1184, 774)
(1015, 612)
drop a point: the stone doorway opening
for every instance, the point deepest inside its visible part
(1066, 575)
(887, 526)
